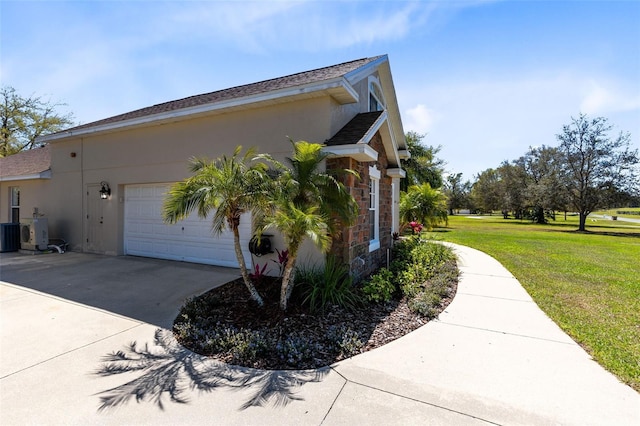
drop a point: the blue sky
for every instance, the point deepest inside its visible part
(483, 79)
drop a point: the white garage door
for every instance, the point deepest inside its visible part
(189, 240)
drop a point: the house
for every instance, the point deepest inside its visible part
(101, 185)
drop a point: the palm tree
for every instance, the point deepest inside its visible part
(226, 187)
(423, 204)
(423, 166)
(306, 202)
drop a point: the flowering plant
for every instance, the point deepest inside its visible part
(416, 227)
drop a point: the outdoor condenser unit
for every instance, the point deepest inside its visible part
(34, 233)
(9, 237)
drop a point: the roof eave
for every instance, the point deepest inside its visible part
(42, 175)
(338, 88)
(395, 122)
(358, 151)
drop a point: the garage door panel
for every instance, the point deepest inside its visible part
(188, 240)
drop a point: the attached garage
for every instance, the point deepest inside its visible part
(190, 240)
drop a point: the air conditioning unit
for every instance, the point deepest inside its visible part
(34, 233)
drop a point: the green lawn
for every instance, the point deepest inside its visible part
(588, 283)
(614, 212)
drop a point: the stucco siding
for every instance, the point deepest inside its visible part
(159, 154)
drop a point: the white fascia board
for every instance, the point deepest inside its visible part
(43, 175)
(396, 173)
(366, 70)
(366, 138)
(395, 121)
(404, 154)
(392, 151)
(357, 151)
(348, 95)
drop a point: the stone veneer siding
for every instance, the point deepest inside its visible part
(353, 244)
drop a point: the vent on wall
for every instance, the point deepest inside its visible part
(34, 234)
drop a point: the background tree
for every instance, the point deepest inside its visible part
(511, 189)
(423, 204)
(542, 187)
(457, 192)
(305, 202)
(486, 192)
(594, 164)
(423, 166)
(23, 119)
(228, 187)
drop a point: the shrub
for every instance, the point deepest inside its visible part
(425, 303)
(345, 340)
(331, 285)
(295, 349)
(380, 287)
(416, 261)
(413, 278)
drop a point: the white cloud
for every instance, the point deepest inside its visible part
(601, 100)
(420, 119)
(303, 26)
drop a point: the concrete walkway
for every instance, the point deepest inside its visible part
(491, 357)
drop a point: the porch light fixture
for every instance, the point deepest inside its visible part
(105, 191)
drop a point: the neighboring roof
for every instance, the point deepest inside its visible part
(330, 79)
(32, 164)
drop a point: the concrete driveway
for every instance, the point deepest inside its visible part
(83, 340)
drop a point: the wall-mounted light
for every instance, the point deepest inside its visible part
(105, 191)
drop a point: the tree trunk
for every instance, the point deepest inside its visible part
(287, 285)
(243, 268)
(583, 221)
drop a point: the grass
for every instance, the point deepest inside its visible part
(588, 283)
(614, 212)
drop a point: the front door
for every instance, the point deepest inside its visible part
(94, 219)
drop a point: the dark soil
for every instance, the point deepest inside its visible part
(230, 306)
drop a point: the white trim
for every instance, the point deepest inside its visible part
(42, 175)
(373, 82)
(404, 154)
(366, 138)
(339, 88)
(396, 173)
(360, 73)
(374, 177)
(359, 152)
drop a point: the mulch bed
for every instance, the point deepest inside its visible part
(376, 324)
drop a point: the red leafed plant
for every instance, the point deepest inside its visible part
(283, 258)
(258, 275)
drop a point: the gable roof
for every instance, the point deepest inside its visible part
(32, 164)
(356, 130)
(334, 80)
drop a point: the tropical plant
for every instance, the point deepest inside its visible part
(423, 204)
(423, 166)
(329, 285)
(258, 275)
(305, 202)
(379, 287)
(226, 188)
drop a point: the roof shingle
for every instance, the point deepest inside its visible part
(355, 129)
(294, 80)
(26, 163)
